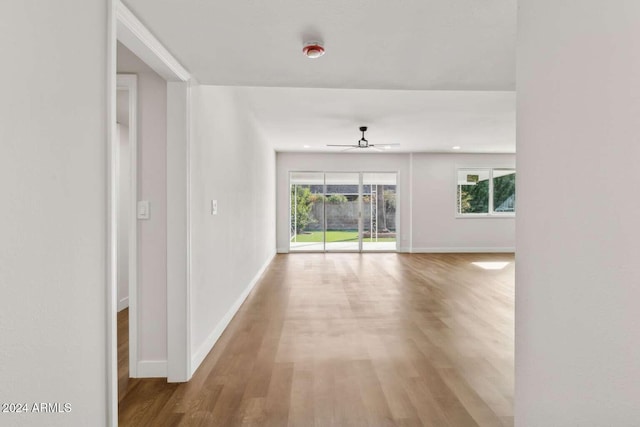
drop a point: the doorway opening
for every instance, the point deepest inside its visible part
(343, 211)
(125, 162)
(126, 29)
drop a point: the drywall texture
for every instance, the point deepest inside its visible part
(124, 211)
(53, 149)
(152, 186)
(178, 253)
(577, 275)
(426, 194)
(230, 163)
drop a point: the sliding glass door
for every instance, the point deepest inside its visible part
(307, 211)
(343, 211)
(379, 208)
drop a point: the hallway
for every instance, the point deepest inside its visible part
(354, 339)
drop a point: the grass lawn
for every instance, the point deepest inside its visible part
(337, 236)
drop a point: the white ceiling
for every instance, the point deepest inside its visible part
(433, 121)
(437, 73)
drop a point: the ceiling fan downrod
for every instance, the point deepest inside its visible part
(363, 143)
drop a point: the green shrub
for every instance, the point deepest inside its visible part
(301, 204)
(336, 199)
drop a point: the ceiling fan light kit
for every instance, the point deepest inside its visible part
(362, 143)
(313, 50)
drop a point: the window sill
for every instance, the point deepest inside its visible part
(483, 216)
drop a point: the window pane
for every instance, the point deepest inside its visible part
(504, 190)
(379, 211)
(307, 211)
(473, 191)
(342, 211)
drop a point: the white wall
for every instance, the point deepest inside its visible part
(435, 226)
(152, 233)
(427, 198)
(577, 274)
(178, 226)
(53, 212)
(230, 162)
(124, 185)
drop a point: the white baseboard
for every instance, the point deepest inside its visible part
(123, 303)
(152, 369)
(442, 250)
(213, 337)
(445, 250)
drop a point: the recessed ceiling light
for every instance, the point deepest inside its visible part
(456, 147)
(387, 147)
(307, 146)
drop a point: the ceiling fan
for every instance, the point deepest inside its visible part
(362, 143)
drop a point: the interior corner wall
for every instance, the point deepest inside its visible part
(53, 181)
(233, 164)
(426, 193)
(152, 233)
(577, 277)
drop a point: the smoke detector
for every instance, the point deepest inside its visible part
(313, 50)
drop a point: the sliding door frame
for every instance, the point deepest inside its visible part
(360, 211)
(397, 213)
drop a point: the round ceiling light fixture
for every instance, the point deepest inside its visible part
(313, 50)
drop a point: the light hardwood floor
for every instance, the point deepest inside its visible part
(354, 340)
(125, 384)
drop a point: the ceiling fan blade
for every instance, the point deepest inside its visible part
(362, 143)
(377, 146)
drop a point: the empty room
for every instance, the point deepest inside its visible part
(304, 213)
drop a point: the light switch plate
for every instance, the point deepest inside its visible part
(143, 209)
(214, 207)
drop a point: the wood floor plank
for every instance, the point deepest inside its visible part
(352, 340)
(373, 397)
(429, 411)
(323, 394)
(348, 400)
(301, 411)
(392, 385)
(279, 395)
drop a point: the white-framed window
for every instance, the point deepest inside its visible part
(486, 192)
